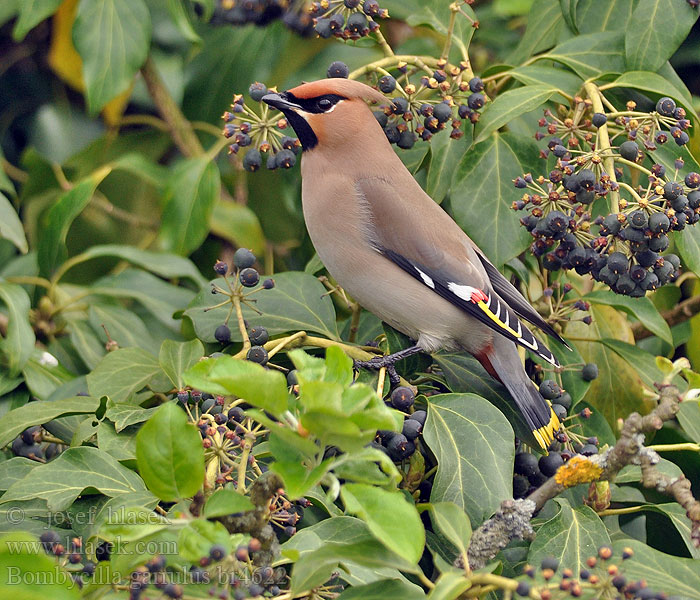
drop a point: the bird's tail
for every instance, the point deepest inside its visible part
(538, 414)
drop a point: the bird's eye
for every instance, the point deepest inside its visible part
(324, 104)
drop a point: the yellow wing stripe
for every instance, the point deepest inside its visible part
(482, 305)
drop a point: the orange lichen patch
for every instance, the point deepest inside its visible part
(577, 470)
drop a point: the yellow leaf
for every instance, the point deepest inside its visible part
(67, 64)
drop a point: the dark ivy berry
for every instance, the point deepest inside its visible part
(521, 485)
(371, 7)
(285, 159)
(387, 84)
(586, 179)
(588, 450)
(357, 23)
(611, 225)
(638, 219)
(599, 119)
(268, 284)
(252, 160)
(323, 28)
(257, 354)
(257, 90)
(659, 223)
(402, 398)
(258, 336)
(672, 190)
(406, 140)
(400, 105)
(549, 464)
(243, 258)
(476, 84)
(220, 268)
(589, 371)
(618, 262)
(411, 429)
(560, 411)
(629, 150)
(563, 400)
(236, 414)
(249, 277)
(525, 464)
(666, 107)
(420, 416)
(222, 334)
(400, 447)
(392, 133)
(476, 101)
(523, 588)
(549, 389)
(679, 204)
(338, 70)
(217, 552)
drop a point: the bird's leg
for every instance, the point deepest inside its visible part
(388, 361)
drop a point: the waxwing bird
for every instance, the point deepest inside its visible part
(398, 253)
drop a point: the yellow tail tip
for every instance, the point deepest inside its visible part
(545, 435)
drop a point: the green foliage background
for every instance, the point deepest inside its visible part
(116, 199)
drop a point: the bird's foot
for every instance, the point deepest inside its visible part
(388, 361)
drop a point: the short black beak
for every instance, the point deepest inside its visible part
(279, 102)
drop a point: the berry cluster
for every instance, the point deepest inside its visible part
(260, 133)
(69, 554)
(294, 13)
(423, 109)
(600, 577)
(626, 252)
(346, 19)
(400, 446)
(531, 471)
(246, 276)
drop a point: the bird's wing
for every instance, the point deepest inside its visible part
(424, 241)
(515, 299)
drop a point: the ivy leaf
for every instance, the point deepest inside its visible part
(194, 187)
(655, 31)
(121, 373)
(198, 536)
(113, 38)
(226, 502)
(484, 211)
(689, 418)
(123, 415)
(653, 83)
(169, 454)
(18, 343)
(10, 225)
(451, 521)
(16, 421)
(688, 244)
(238, 224)
(391, 518)
(31, 13)
(510, 105)
(544, 23)
(590, 55)
(177, 357)
(560, 79)
(297, 302)
(381, 590)
(62, 480)
(474, 447)
(52, 243)
(642, 309)
(572, 536)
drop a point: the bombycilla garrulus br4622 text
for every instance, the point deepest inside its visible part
(398, 253)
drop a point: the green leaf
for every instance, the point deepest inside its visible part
(390, 517)
(226, 502)
(121, 446)
(238, 224)
(177, 357)
(10, 225)
(572, 536)
(298, 302)
(618, 389)
(452, 522)
(121, 373)
(643, 362)
(677, 514)
(655, 31)
(590, 55)
(86, 342)
(381, 590)
(15, 469)
(198, 536)
(510, 105)
(663, 572)
(260, 387)
(474, 447)
(115, 33)
(544, 23)
(51, 249)
(449, 586)
(31, 576)
(558, 78)
(66, 477)
(16, 421)
(688, 244)
(31, 13)
(445, 154)
(192, 191)
(163, 264)
(123, 415)
(179, 15)
(484, 211)
(642, 309)
(603, 15)
(124, 327)
(18, 344)
(689, 418)
(169, 454)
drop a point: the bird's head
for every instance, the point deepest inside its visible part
(328, 112)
